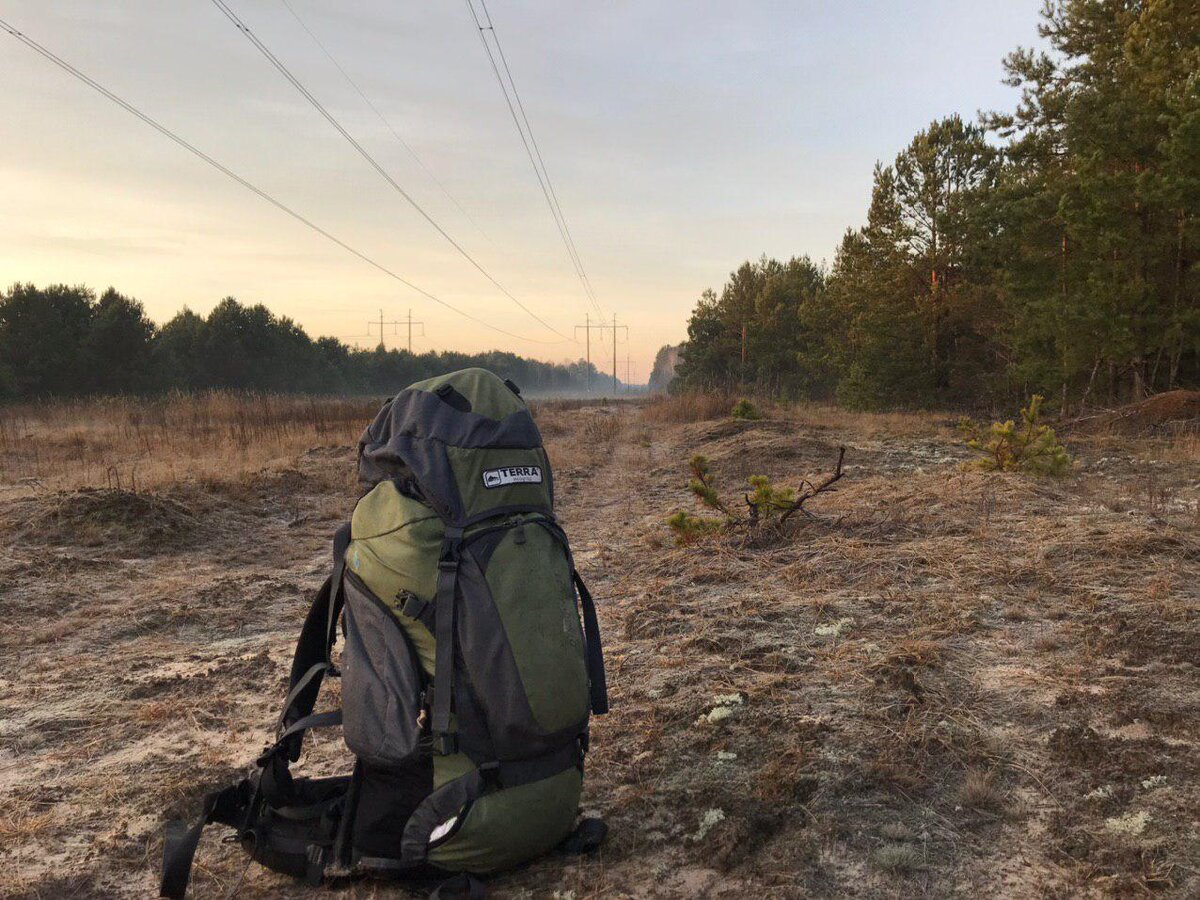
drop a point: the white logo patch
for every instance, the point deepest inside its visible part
(494, 478)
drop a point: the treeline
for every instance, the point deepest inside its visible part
(64, 341)
(1051, 249)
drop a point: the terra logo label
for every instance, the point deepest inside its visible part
(494, 478)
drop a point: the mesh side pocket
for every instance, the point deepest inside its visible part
(381, 682)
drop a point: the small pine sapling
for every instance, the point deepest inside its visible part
(1008, 447)
(688, 528)
(765, 503)
(744, 409)
(701, 484)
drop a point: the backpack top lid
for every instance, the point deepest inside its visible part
(468, 442)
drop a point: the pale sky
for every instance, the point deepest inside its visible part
(682, 138)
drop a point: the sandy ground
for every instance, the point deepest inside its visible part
(952, 684)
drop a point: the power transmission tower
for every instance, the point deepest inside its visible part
(628, 362)
(396, 323)
(587, 332)
(615, 327)
(409, 321)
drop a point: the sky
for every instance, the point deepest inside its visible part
(681, 138)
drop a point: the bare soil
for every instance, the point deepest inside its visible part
(948, 684)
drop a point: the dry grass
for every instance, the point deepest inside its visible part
(674, 409)
(131, 444)
(950, 680)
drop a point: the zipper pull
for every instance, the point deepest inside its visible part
(519, 537)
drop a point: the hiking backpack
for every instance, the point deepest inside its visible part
(467, 680)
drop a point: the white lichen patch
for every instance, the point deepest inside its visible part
(724, 708)
(1154, 781)
(717, 715)
(1101, 793)
(726, 756)
(710, 819)
(834, 629)
(1129, 824)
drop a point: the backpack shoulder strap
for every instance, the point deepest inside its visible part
(312, 660)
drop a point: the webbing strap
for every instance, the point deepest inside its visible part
(341, 541)
(316, 720)
(444, 606)
(314, 670)
(179, 841)
(179, 850)
(275, 781)
(593, 652)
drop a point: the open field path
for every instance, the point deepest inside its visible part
(952, 684)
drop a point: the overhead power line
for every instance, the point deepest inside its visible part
(224, 170)
(531, 146)
(386, 123)
(362, 151)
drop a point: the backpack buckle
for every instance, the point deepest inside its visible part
(314, 871)
(445, 744)
(490, 773)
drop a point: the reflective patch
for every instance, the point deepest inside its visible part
(494, 478)
(442, 830)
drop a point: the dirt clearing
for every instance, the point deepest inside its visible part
(952, 683)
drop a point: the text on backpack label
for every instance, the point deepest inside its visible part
(494, 478)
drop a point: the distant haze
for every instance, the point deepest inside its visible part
(682, 139)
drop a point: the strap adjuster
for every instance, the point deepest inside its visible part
(315, 869)
(445, 744)
(490, 772)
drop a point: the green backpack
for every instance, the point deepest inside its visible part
(467, 677)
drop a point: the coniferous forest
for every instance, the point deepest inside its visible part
(1050, 249)
(65, 341)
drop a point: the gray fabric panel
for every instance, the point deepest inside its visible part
(493, 674)
(426, 461)
(381, 683)
(422, 416)
(435, 809)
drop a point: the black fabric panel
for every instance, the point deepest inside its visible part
(474, 739)
(387, 799)
(483, 548)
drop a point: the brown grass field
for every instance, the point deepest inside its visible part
(948, 684)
